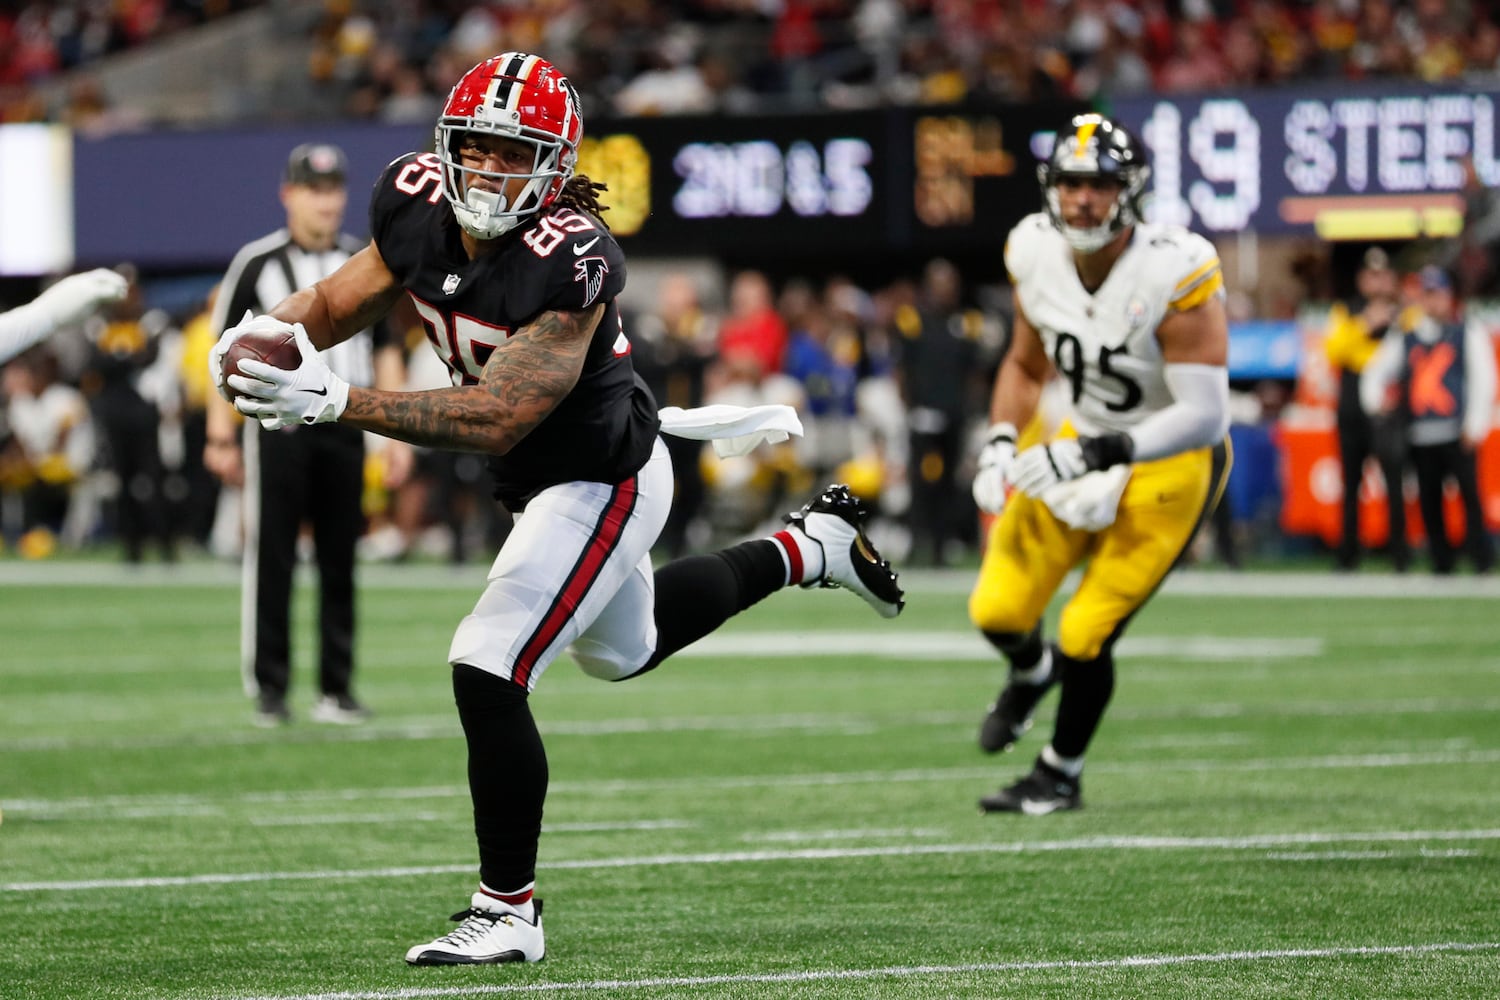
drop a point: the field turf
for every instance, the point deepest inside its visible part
(1296, 793)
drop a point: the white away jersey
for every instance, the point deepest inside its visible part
(1104, 344)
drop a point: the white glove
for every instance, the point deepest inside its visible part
(248, 322)
(312, 394)
(1044, 465)
(75, 297)
(995, 459)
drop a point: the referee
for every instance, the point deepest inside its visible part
(312, 475)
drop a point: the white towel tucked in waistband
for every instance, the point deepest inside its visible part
(734, 430)
(1089, 502)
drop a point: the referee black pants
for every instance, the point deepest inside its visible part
(298, 475)
(1435, 465)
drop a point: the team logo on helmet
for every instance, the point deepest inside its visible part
(519, 97)
(1096, 146)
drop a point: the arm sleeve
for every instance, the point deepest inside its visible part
(1198, 417)
(21, 328)
(1479, 376)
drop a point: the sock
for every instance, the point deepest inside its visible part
(697, 594)
(518, 902)
(1086, 689)
(1071, 766)
(507, 774)
(802, 556)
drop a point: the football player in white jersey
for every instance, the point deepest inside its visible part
(1130, 317)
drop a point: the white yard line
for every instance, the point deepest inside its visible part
(907, 645)
(448, 729)
(143, 806)
(1196, 582)
(899, 971)
(1116, 843)
(386, 818)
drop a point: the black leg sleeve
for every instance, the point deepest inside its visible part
(697, 594)
(1022, 651)
(1086, 689)
(507, 775)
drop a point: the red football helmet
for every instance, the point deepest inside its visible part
(521, 97)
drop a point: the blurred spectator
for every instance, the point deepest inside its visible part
(1355, 329)
(742, 491)
(1195, 62)
(1378, 51)
(1473, 254)
(200, 504)
(673, 82)
(672, 348)
(1120, 68)
(91, 112)
(387, 61)
(125, 345)
(822, 355)
(50, 449)
(753, 334)
(938, 370)
(1443, 371)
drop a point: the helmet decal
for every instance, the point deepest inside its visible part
(1096, 146)
(515, 96)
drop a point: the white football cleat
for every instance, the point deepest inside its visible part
(835, 520)
(485, 936)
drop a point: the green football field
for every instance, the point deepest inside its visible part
(1296, 793)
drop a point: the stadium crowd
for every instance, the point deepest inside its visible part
(858, 361)
(848, 358)
(393, 60)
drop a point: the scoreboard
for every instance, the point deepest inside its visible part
(1381, 164)
(855, 183)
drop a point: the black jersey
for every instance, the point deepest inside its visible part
(603, 431)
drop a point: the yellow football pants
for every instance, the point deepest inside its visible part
(1030, 551)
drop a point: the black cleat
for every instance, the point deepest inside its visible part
(1045, 790)
(835, 519)
(1010, 716)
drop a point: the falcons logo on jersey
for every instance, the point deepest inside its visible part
(590, 271)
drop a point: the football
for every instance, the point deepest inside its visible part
(277, 348)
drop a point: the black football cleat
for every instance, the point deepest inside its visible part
(1045, 790)
(1010, 716)
(835, 519)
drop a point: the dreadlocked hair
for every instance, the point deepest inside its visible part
(582, 195)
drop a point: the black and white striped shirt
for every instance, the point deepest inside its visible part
(267, 270)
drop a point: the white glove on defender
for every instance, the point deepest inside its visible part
(312, 394)
(1044, 465)
(73, 298)
(995, 459)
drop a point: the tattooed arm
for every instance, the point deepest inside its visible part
(355, 296)
(523, 381)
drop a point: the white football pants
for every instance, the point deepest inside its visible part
(575, 573)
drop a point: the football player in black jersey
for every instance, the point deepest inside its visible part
(503, 252)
